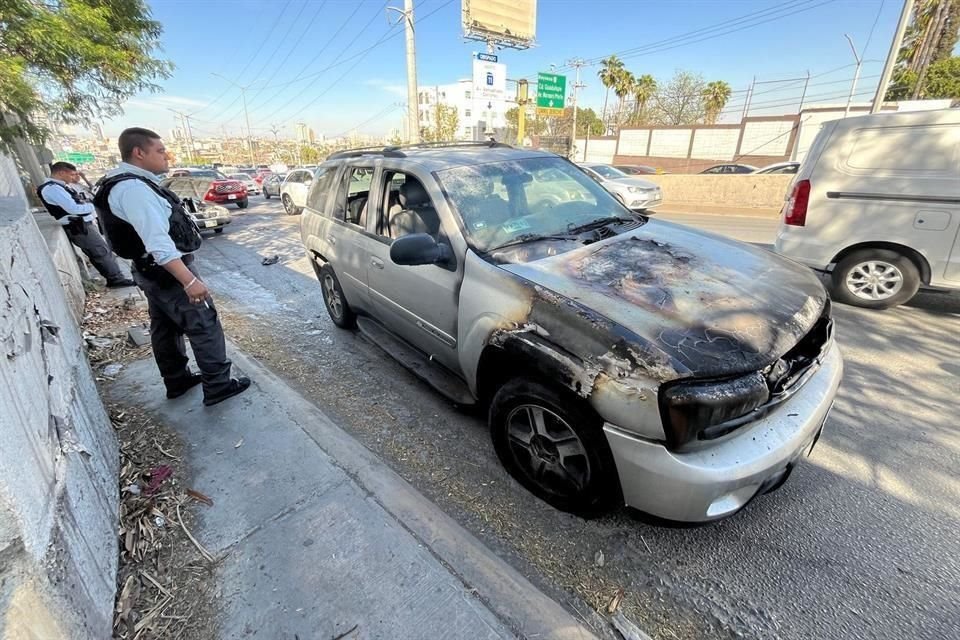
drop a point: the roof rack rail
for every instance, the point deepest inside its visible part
(378, 150)
(489, 144)
(397, 151)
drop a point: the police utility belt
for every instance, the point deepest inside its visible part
(147, 267)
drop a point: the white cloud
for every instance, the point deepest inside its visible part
(389, 87)
(164, 102)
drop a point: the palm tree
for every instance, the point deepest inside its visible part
(643, 89)
(623, 88)
(715, 96)
(609, 70)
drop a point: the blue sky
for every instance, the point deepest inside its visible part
(281, 49)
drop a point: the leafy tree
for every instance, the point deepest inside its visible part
(445, 125)
(680, 101)
(309, 155)
(931, 37)
(941, 81)
(644, 89)
(623, 88)
(587, 121)
(75, 60)
(610, 70)
(532, 126)
(715, 97)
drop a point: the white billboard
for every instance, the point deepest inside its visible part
(507, 22)
(489, 80)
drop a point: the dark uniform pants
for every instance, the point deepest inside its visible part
(87, 237)
(173, 316)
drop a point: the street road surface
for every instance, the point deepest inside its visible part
(861, 542)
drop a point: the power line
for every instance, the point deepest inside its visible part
(745, 22)
(381, 114)
(251, 59)
(359, 56)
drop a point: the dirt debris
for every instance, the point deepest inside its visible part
(165, 584)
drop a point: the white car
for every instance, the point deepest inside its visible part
(294, 190)
(253, 188)
(635, 193)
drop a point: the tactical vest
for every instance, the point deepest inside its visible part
(124, 238)
(56, 210)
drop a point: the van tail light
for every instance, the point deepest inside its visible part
(795, 209)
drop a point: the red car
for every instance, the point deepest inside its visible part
(213, 186)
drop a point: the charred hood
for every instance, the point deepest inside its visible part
(698, 304)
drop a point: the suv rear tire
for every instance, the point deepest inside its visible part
(553, 444)
(333, 299)
(874, 279)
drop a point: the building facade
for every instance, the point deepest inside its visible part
(475, 115)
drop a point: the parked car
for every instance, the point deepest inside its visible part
(730, 168)
(779, 168)
(261, 175)
(271, 185)
(205, 189)
(293, 190)
(876, 204)
(620, 358)
(638, 169)
(208, 216)
(635, 193)
(253, 189)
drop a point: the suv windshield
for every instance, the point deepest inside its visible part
(500, 202)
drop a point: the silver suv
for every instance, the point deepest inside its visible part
(623, 359)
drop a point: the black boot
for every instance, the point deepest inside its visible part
(122, 282)
(180, 386)
(237, 386)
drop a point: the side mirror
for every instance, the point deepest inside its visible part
(419, 248)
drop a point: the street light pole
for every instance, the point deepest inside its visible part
(892, 55)
(856, 74)
(576, 63)
(246, 115)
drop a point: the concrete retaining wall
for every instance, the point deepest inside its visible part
(746, 191)
(58, 452)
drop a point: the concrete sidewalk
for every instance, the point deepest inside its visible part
(315, 534)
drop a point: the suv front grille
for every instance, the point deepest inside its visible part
(227, 187)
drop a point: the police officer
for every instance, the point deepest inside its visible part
(148, 224)
(78, 217)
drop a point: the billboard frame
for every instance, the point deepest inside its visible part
(493, 39)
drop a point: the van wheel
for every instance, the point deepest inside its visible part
(553, 444)
(337, 306)
(875, 279)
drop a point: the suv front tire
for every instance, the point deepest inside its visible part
(553, 444)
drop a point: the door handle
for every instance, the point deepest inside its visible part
(376, 262)
(331, 240)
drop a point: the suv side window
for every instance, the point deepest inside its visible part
(323, 180)
(352, 194)
(406, 207)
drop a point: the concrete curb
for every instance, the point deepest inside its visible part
(502, 588)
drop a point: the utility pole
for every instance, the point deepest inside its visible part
(803, 95)
(576, 63)
(746, 105)
(413, 114)
(522, 102)
(892, 55)
(185, 127)
(246, 115)
(856, 74)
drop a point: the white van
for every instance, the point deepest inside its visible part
(877, 204)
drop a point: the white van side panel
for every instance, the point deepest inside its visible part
(889, 179)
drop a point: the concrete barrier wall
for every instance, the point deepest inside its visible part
(58, 451)
(747, 191)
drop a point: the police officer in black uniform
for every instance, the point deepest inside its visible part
(77, 216)
(148, 224)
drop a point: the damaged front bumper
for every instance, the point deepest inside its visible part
(717, 480)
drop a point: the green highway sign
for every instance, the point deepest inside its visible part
(77, 157)
(551, 94)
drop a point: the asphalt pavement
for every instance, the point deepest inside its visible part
(860, 543)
